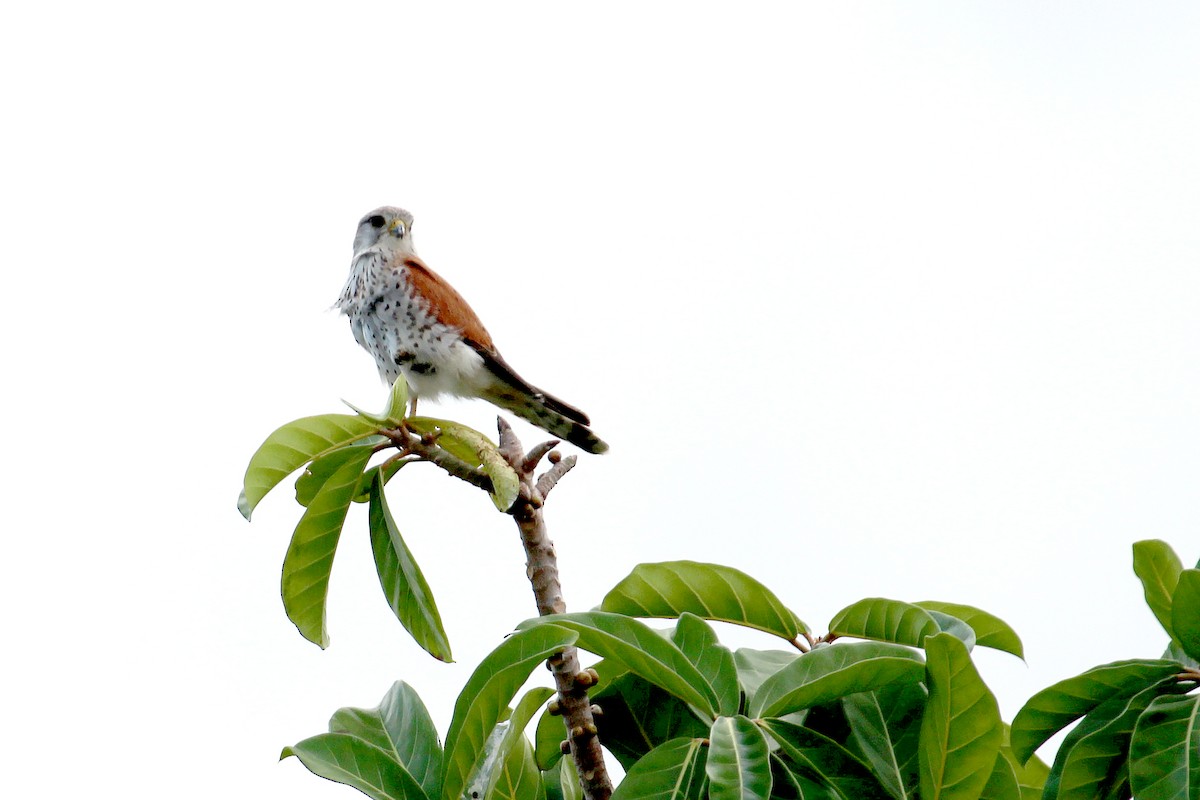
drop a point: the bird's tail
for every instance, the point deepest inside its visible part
(543, 411)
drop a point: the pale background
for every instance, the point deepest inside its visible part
(890, 299)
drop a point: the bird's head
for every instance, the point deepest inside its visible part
(389, 227)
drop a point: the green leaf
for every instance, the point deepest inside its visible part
(990, 630)
(885, 621)
(738, 767)
(1031, 776)
(672, 771)
(1157, 567)
(955, 627)
(403, 585)
(697, 640)
(347, 759)
(960, 731)
(456, 439)
(517, 776)
(521, 779)
(487, 764)
(639, 716)
(827, 719)
(402, 728)
(568, 780)
(1185, 612)
(755, 666)
(393, 415)
(518, 768)
(1164, 753)
(1002, 784)
(1174, 652)
(1057, 706)
(792, 782)
(833, 767)
(320, 469)
(884, 729)
(548, 738)
(309, 558)
(387, 469)
(827, 673)
(640, 649)
(1093, 758)
(711, 591)
(471, 446)
(484, 700)
(294, 445)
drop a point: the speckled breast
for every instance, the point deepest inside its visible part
(397, 327)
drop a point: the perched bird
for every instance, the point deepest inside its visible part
(415, 324)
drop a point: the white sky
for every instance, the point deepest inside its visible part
(892, 301)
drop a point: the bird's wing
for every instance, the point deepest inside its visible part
(451, 309)
(448, 305)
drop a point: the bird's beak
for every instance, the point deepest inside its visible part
(393, 225)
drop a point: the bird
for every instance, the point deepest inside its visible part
(418, 327)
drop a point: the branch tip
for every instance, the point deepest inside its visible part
(510, 445)
(529, 464)
(552, 476)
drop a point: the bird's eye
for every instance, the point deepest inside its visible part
(376, 221)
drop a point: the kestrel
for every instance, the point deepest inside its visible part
(416, 325)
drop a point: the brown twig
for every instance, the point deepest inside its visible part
(542, 571)
(534, 457)
(410, 443)
(550, 477)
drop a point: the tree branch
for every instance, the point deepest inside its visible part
(542, 570)
(550, 477)
(426, 449)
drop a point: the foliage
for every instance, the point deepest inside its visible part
(335, 451)
(888, 704)
(869, 719)
(1137, 732)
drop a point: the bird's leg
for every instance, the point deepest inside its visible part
(412, 405)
